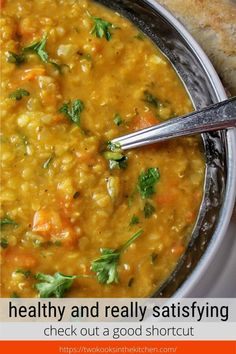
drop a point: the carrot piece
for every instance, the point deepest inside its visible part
(166, 199)
(58, 118)
(31, 74)
(177, 250)
(2, 3)
(85, 157)
(45, 222)
(97, 46)
(53, 226)
(20, 258)
(197, 196)
(144, 121)
(190, 217)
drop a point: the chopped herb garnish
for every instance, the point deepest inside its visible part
(152, 100)
(134, 220)
(62, 68)
(16, 58)
(7, 221)
(105, 266)
(39, 47)
(19, 94)
(72, 110)
(54, 285)
(15, 295)
(147, 182)
(148, 210)
(26, 273)
(47, 163)
(3, 242)
(101, 28)
(118, 120)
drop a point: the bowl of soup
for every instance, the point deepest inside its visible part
(79, 218)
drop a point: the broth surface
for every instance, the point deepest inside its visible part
(60, 200)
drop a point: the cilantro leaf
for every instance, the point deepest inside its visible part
(39, 47)
(14, 295)
(72, 110)
(3, 242)
(147, 182)
(151, 99)
(15, 58)
(19, 94)
(101, 28)
(53, 285)
(134, 220)
(7, 221)
(148, 210)
(26, 273)
(60, 67)
(118, 119)
(105, 266)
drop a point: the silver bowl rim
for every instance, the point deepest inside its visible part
(186, 288)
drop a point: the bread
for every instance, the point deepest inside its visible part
(213, 24)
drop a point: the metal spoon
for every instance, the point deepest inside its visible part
(216, 117)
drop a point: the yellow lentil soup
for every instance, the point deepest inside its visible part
(80, 218)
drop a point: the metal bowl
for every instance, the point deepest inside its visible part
(205, 88)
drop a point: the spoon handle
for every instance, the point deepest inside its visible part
(216, 117)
